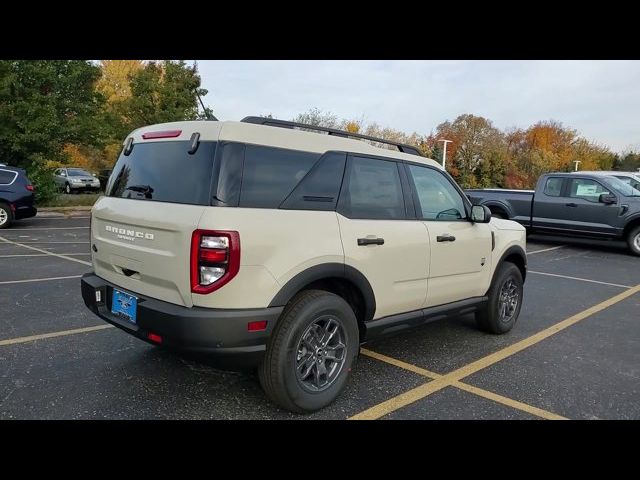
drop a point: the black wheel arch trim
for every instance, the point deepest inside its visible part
(321, 272)
(503, 206)
(514, 249)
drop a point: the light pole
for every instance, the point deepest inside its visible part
(577, 162)
(444, 153)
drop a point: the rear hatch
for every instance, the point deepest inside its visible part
(142, 228)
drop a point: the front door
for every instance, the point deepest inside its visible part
(583, 210)
(460, 260)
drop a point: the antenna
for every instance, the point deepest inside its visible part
(209, 115)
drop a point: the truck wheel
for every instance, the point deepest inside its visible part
(634, 241)
(501, 312)
(498, 215)
(311, 352)
(6, 216)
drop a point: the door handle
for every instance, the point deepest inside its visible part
(573, 205)
(446, 238)
(370, 241)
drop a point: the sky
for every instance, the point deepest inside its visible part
(600, 99)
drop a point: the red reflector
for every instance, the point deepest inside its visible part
(215, 255)
(162, 134)
(154, 337)
(30, 188)
(257, 326)
(13, 207)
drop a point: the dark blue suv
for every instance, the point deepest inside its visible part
(16, 196)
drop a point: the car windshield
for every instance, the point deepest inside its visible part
(622, 187)
(77, 172)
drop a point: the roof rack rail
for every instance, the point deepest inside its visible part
(273, 122)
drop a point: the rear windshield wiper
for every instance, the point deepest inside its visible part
(140, 188)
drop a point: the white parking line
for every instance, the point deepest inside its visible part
(39, 279)
(546, 250)
(45, 251)
(70, 217)
(580, 279)
(50, 228)
(45, 255)
(45, 241)
(31, 338)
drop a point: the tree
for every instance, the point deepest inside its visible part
(114, 83)
(162, 92)
(317, 118)
(44, 105)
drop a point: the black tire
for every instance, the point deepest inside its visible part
(499, 215)
(6, 216)
(633, 240)
(277, 373)
(489, 318)
(67, 189)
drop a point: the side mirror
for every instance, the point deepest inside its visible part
(607, 198)
(480, 214)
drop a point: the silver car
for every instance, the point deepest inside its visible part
(73, 179)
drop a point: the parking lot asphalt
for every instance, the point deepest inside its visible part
(573, 353)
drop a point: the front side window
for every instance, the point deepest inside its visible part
(586, 189)
(372, 190)
(553, 186)
(437, 198)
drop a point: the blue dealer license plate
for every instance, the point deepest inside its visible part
(124, 305)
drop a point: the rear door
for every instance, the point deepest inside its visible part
(460, 259)
(379, 240)
(141, 230)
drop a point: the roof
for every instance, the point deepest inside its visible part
(273, 137)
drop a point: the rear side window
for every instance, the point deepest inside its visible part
(7, 177)
(372, 190)
(164, 172)
(319, 190)
(270, 174)
(553, 186)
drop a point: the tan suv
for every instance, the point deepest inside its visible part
(270, 245)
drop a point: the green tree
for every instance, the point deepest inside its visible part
(162, 92)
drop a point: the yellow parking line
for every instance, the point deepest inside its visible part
(31, 338)
(422, 391)
(463, 386)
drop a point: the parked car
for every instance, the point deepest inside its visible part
(75, 180)
(16, 196)
(284, 250)
(591, 204)
(103, 176)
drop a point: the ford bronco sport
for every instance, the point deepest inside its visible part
(272, 246)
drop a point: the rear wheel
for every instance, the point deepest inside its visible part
(501, 312)
(498, 215)
(6, 216)
(311, 352)
(633, 240)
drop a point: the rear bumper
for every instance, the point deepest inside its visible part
(221, 333)
(26, 211)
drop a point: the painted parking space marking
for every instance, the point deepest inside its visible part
(64, 333)
(437, 384)
(59, 255)
(8, 282)
(50, 228)
(46, 255)
(546, 250)
(538, 412)
(579, 279)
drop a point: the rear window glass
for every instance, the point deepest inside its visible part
(553, 187)
(270, 174)
(164, 172)
(7, 176)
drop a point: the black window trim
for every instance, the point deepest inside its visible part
(15, 177)
(345, 181)
(465, 200)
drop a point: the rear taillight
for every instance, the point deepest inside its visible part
(215, 259)
(30, 187)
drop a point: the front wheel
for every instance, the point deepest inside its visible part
(501, 312)
(633, 240)
(67, 189)
(311, 352)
